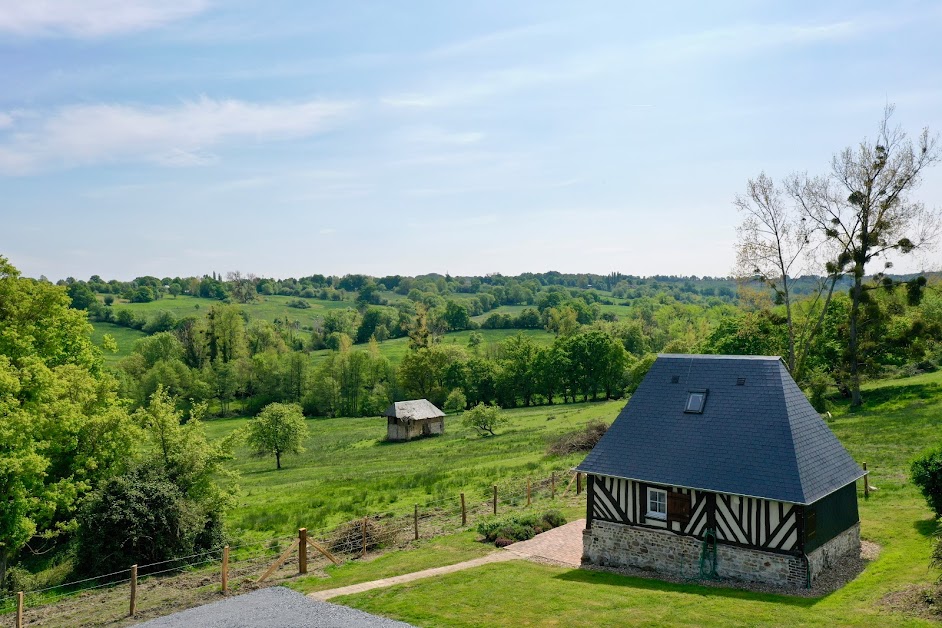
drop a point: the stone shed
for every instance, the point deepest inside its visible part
(719, 466)
(406, 420)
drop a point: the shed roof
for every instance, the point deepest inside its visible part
(415, 410)
(757, 434)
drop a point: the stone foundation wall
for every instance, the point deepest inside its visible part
(616, 545)
(847, 542)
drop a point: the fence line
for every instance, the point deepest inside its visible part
(347, 541)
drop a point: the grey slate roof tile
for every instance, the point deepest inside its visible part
(763, 439)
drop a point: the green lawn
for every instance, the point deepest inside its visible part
(124, 336)
(266, 308)
(348, 470)
(901, 418)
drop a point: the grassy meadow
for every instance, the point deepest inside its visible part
(349, 470)
(124, 337)
(900, 419)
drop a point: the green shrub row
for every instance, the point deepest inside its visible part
(519, 526)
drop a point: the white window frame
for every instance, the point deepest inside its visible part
(654, 514)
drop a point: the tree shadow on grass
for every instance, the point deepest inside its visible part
(927, 527)
(889, 397)
(691, 588)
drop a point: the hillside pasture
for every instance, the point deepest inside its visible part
(124, 336)
(348, 469)
(900, 418)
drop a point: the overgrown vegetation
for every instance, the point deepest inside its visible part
(926, 473)
(579, 440)
(503, 530)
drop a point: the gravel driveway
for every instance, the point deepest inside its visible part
(275, 606)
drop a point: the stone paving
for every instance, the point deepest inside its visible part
(562, 545)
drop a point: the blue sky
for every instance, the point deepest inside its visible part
(181, 137)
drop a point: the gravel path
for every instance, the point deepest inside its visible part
(275, 606)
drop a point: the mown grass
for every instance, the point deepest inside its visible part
(348, 470)
(900, 418)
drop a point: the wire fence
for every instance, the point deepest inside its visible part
(169, 585)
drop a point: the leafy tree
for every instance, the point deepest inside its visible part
(455, 402)
(62, 426)
(82, 296)
(456, 316)
(175, 289)
(278, 429)
(485, 419)
(865, 209)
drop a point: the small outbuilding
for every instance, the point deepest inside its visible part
(719, 466)
(406, 420)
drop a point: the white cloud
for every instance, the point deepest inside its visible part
(92, 18)
(171, 135)
(6, 120)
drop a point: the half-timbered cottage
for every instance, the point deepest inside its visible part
(719, 466)
(406, 420)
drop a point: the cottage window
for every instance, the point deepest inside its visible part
(695, 401)
(657, 503)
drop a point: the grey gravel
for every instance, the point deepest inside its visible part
(275, 606)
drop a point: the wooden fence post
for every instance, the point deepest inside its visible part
(225, 570)
(133, 589)
(464, 512)
(528, 491)
(578, 483)
(415, 522)
(866, 481)
(495, 499)
(553, 484)
(363, 538)
(19, 610)
(302, 550)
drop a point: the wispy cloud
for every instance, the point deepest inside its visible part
(92, 18)
(170, 135)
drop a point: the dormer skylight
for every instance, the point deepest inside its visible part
(696, 399)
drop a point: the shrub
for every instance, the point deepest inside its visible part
(301, 304)
(484, 418)
(519, 526)
(456, 401)
(142, 517)
(926, 473)
(579, 440)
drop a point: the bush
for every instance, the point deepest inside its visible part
(579, 440)
(141, 517)
(484, 418)
(926, 473)
(301, 304)
(519, 526)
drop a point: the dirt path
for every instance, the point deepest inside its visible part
(562, 545)
(496, 557)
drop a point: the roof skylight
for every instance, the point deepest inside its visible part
(695, 401)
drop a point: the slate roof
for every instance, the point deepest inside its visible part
(416, 410)
(760, 439)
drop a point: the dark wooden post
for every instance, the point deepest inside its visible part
(528, 491)
(578, 483)
(495, 499)
(302, 550)
(225, 570)
(19, 610)
(866, 481)
(415, 522)
(363, 538)
(133, 589)
(464, 512)
(553, 484)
